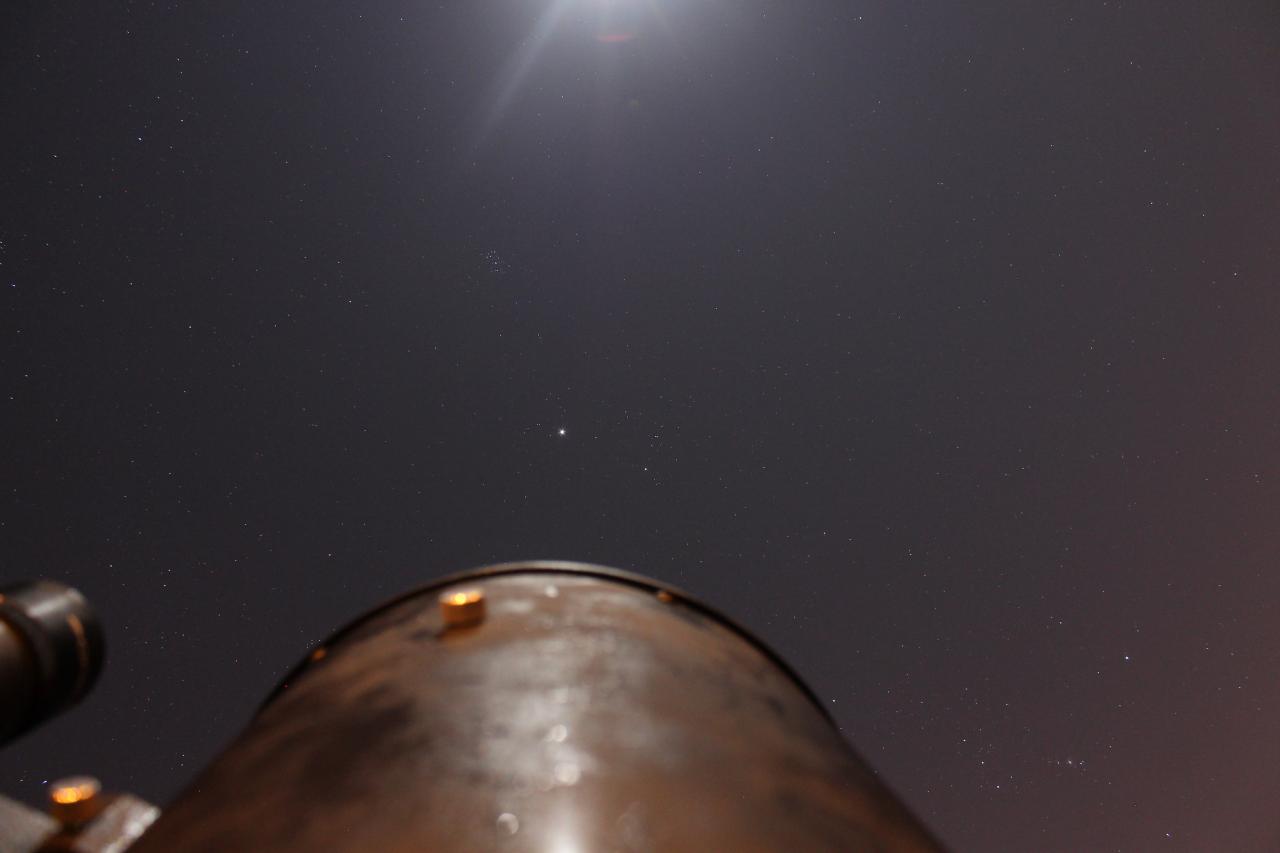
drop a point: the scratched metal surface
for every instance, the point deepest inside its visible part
(582, 714)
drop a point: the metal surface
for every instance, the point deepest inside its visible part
(51, 651)
(119, 822)
(22, 828)
(664, 592)
(584, 713)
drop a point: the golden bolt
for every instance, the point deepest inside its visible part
(462, 607)
(75, 800)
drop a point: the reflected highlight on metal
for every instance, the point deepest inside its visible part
(462, 608)
(74, 801)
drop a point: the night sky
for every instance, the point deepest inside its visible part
(936, 342)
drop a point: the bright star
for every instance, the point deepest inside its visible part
(560, 431)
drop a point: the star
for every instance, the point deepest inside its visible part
(560, 431)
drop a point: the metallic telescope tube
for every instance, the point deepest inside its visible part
(51, 651)
(549, 707)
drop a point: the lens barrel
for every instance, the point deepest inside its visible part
(51, 651)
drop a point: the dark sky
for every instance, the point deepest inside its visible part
(937, 342)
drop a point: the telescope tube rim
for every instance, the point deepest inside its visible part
(552, 567)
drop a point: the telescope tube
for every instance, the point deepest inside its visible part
(541, 706)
